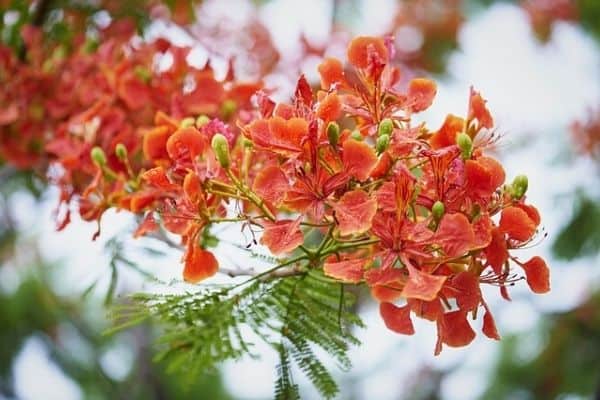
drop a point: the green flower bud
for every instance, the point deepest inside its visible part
(333, 133)
(121, 151)
(382, 144)
(247, 143)
(143, 73)
(221, 149)
(187, 122)
(519, 186)
(438, 210)
(228, 108)
(98, 156)
(465, 144)
(386, 127)
(202, 120)
(356, 135)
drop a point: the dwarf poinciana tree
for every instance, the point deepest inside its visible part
(340, 185)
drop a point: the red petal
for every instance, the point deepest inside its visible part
(155, 143)
(148, 225)
(455, 235)
(199, 264)
(517, 224)
(430, 310)
(421, 93)
(359, 159)
(538, 275)
(454, 330)
(496, 253)
(358, 50)
(484, 175)
(479, 111)
(386, 293)
(354, 212)
(421, 285)
(446, 135)
(193, 189)
(397, 319)
(331, 71)
(350, 271)
(482, 228)
(186, 142)
(465, 287)
(271, 184)
(489, 326)
(282, 236)
(330, 108)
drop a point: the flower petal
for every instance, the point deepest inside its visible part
(354, 212)
(421, 285)
(282, 236)
(538, 275)
(359, 159)
(515, 222)
(397, 319)
(350, 271)
(199, 264)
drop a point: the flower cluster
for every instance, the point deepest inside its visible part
(423, 217)
(103, 95)
(339, 179)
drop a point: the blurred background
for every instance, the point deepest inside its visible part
(538, 64)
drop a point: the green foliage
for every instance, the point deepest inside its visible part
(293, 314)
(581, 236)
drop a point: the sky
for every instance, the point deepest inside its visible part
(533, 91)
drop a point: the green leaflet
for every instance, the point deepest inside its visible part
(294, 315)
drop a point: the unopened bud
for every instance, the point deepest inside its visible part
(143, 73)
(228, 108)
(202, 120)
(221, 149)
(333, 133)
(98, 156)
(121, 151)
(382, 144)
(187, 122)
(519, 186)
(386, 127)
(356, 135)
(465, 144)
(247, 143)
(438, 210)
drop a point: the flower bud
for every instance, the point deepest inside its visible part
(143, 73)
(202, 120)
(333, 133)
(386, 127)
(382, 144)
(247, 143)
(187, 122)
(465, 144)
(437, 210)
(221, 149)
(98, 156)
(519, 186)
(121, 151)
(228, 108)
(356, 135)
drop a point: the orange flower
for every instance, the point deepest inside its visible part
(363, 48)
(515, 222)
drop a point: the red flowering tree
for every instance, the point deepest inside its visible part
(339, 184)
